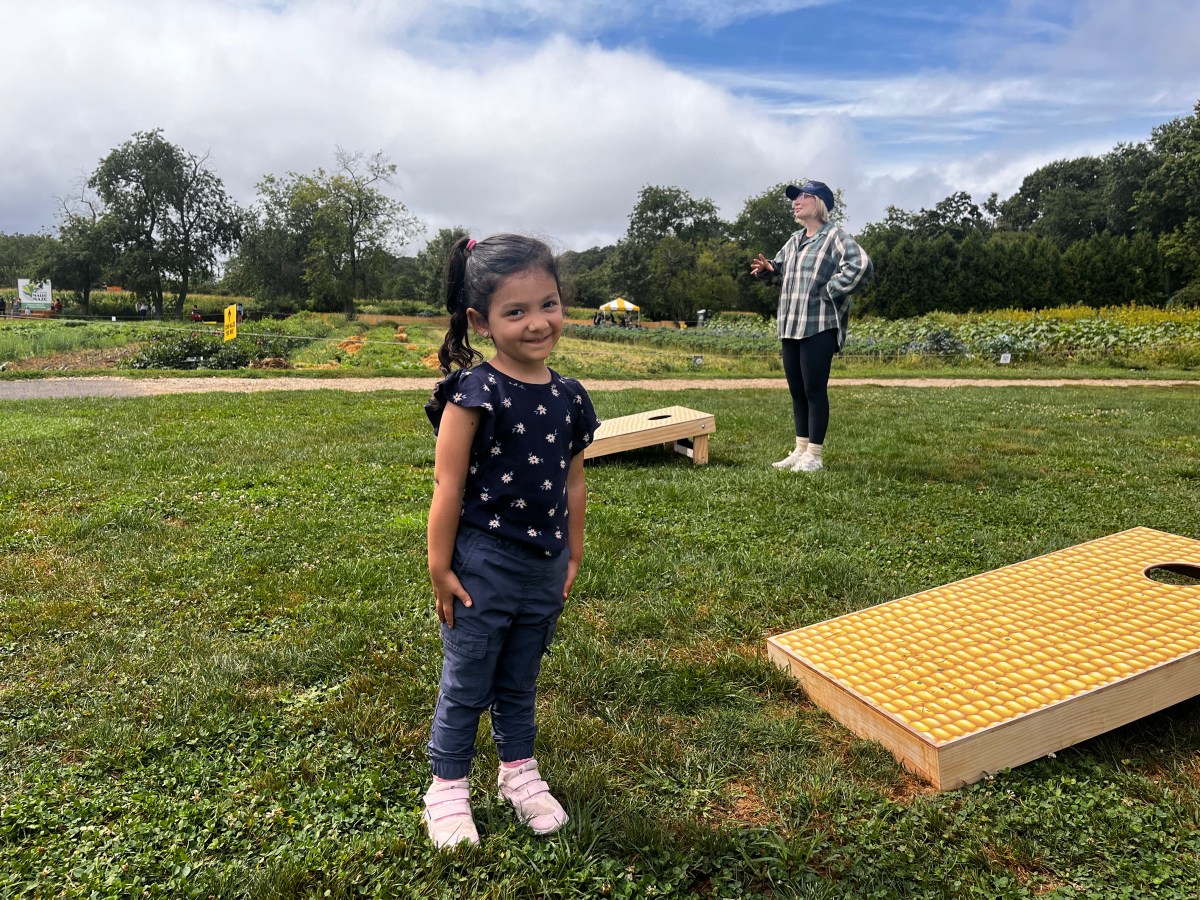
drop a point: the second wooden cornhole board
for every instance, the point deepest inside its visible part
(686, 430)
(995, 670)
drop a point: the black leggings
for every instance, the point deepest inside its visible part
(806, 364)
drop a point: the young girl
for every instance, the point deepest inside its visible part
(505, 524)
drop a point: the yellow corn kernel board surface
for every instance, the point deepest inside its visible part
(953, 661)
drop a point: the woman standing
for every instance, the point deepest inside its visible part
(819, 267)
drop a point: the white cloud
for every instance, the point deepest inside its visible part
(542, 129)
(556, 137)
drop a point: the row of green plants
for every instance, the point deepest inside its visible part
(1075, 332)
(26, 339)
(206, 348)
(1137, 336)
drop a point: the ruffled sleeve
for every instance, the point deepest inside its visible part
(583, 420)
(468, 388)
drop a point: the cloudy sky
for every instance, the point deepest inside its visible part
(548, 116)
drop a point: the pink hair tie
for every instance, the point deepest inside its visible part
(471, 244)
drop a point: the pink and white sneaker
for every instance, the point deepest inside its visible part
(448, 816)
(530, 796)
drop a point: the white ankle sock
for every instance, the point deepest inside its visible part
(814, 450)
(801, 444)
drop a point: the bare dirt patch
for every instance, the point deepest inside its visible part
(73, 361)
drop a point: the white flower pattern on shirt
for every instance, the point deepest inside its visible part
(515, 490)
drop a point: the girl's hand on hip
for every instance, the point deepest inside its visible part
(447, 588)
(572, 571)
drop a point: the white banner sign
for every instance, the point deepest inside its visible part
(33, 296)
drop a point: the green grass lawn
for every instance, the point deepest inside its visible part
(218, 653)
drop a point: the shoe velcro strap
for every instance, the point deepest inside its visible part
(450, 802)
(527, 784)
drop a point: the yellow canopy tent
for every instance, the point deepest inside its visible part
(621, 306)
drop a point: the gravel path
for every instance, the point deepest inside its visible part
(112, 386)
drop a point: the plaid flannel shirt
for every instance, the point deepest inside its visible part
(819, 274)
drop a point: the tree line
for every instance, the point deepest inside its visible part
(153, 217)
(1100, 231)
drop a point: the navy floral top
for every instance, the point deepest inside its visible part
(529, 433)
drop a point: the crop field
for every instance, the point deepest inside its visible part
(1079, 340)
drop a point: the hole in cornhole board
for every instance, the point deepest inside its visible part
(1174, 573)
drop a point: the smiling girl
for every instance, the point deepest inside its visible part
(505, 523)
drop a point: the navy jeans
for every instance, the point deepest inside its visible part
(492, 656)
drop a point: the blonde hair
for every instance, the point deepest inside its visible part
(822, 212)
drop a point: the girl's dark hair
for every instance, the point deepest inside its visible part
(473, 271)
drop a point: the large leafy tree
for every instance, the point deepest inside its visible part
(587, 276)
(1168, 203)
(1064, 200)
(85, 249)
(661, 214)
(429, 272)
(334, 229)
(20, 255)
(167, 213)
(765, 222)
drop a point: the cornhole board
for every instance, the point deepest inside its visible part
(1001, 668)
(685, 430)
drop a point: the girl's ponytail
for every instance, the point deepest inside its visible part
(456, 349)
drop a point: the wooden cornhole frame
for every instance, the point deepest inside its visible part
(996, 670)
(677, 427)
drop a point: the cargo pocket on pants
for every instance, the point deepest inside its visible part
(466, 678)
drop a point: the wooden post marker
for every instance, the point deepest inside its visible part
(1001, 668)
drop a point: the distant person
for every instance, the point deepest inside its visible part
(3, 308)
(505, 523)
(197, 316)
(819, 267)
(56, 306)
(16, 307)
(142, 309)
(241, 312)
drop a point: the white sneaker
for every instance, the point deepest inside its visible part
(808, 463)
(790, 460)
(530, 796)
(448, 816)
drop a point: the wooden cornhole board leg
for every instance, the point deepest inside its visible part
(675, 427)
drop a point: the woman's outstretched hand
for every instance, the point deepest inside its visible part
(760, 264)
